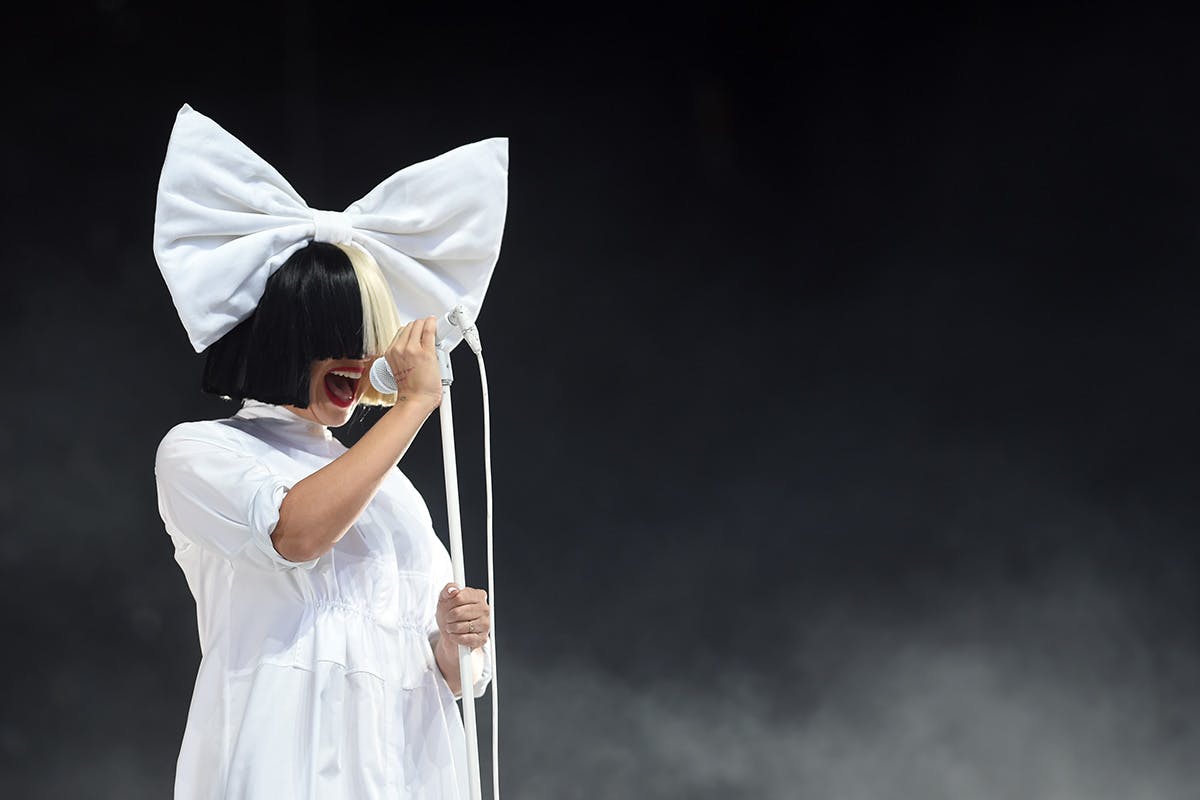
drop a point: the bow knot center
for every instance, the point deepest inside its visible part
(331, 226)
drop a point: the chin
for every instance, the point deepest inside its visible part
(336, 416)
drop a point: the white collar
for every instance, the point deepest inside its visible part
(286, 418)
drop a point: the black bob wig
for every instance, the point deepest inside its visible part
(314, 307)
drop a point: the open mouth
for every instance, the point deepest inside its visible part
(341, 385)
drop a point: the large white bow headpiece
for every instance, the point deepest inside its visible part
(226, 220)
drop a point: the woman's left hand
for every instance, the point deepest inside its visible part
(463, 616)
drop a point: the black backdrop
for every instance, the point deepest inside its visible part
(842, 366)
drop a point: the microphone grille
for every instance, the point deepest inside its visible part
(382, 378)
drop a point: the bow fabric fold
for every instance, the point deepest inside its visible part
(226, 220)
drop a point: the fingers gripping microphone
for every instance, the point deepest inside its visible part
(458, 317)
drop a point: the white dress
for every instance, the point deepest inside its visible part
(317, 679)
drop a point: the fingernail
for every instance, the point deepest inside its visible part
(453, 590)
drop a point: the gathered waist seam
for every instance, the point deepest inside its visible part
(318, 605)
(362, 612)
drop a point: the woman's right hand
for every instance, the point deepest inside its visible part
(413, 360)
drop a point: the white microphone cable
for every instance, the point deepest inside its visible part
(491, 578)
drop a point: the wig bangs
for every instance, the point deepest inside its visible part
(310, 309)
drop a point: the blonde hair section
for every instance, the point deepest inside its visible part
(380, 320)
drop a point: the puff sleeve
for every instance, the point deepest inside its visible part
(222, 499)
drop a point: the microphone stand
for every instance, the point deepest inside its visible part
(466, 671)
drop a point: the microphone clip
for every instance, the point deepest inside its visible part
(443, 357)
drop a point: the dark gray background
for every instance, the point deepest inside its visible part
(842, 366)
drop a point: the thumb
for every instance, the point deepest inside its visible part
(450, 590)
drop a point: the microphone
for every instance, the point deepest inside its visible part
(457, 317)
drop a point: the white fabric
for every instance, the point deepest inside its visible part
(317, 678)
(226, 220)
